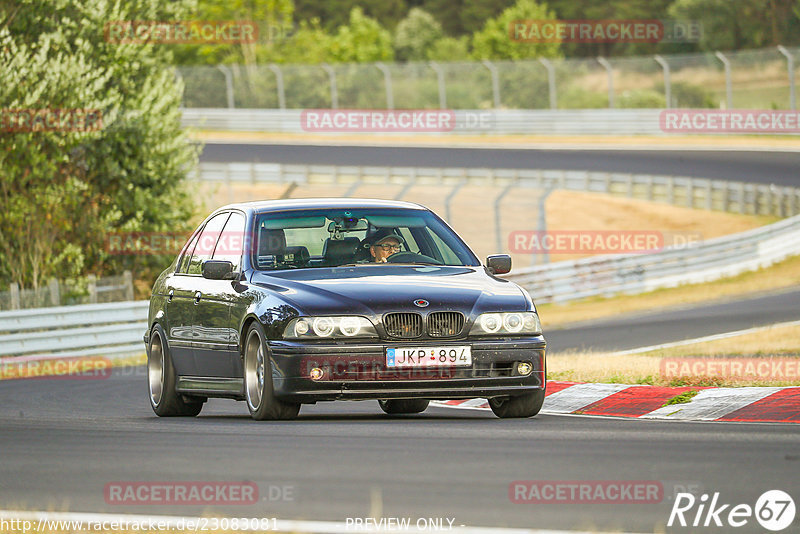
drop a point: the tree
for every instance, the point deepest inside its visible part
(273, 18)
(462, 17)
(415, 35)
(362, 40)
(742, 24)
(66, 187)
(494, 41)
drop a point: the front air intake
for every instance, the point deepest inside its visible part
(403, 325)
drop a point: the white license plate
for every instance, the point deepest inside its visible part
(452, 356)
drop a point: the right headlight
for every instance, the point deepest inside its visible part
(321, 327)
(506, 323)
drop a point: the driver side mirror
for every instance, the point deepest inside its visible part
(217, 270)
(498, 263)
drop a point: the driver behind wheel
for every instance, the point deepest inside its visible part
(384, 243)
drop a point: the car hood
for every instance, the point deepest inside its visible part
(377, 289)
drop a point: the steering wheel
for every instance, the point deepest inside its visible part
(411, 257)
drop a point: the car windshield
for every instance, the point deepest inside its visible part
(303, 239)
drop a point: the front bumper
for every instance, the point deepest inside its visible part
(358, 371)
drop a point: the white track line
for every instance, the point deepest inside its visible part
(39, 518)
(705, 338)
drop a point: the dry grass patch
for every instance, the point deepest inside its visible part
(772, 344)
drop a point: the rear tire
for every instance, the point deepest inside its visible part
(526, 405)
(258, 389)
(403, 406)
(164, 399)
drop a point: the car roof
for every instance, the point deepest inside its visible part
(261, 206)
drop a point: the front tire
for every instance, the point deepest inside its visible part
(164, 399)
(403, 406)
(526, 405)
(258, 389)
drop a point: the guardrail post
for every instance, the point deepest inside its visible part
(442, 88)
(671, 190)
(13, 291)
(495, 82)
(228, 84)
(728, 84)
(404, 190)
(127, 278)
(741, 197)
(387, 80)
(610, 72)
(497, 217)
(334, 93)
(726, 197)
(448, 199)
(689, 193)
(541, 225)
(551, 81)
(709, 196)
(790, 68)
(667, 85)
(55, 296)
(279, 82)
(92, 286)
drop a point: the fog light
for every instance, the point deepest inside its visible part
(316, 373)
(524, 368)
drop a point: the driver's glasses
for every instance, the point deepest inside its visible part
(387, 247)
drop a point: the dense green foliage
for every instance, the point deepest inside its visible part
(306, 31)
(63, 192)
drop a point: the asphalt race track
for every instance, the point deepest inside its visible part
(778, 168)
(677, 324)
(62, 441)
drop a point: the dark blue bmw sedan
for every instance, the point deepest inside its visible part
(281, 303)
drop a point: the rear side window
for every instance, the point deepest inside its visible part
(207, 242)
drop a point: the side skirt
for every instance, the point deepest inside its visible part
(211, 387)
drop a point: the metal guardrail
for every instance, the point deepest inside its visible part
(467, 122)
(637, 273)
(700, 193)
(112, 329)
(116, 329)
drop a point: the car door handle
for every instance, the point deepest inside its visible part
(197, 297)
(170, 295)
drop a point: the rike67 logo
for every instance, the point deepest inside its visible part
(774, 510)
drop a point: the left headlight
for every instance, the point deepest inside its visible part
(506, 323)
(327, 327)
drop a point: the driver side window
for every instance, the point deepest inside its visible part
(207, 242)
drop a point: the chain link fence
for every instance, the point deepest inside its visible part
(89, 290)
(750, 79)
